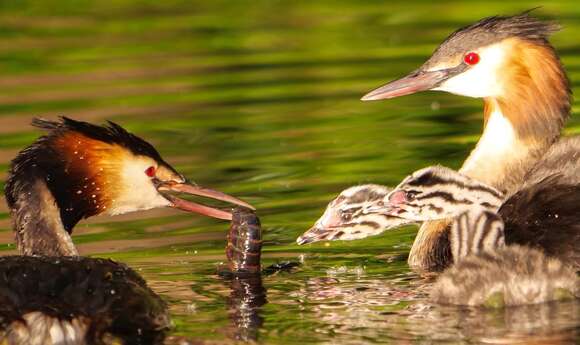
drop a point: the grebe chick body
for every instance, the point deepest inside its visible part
(488, 273)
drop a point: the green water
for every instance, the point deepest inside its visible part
(260, 99)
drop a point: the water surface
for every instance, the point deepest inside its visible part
(260, 99)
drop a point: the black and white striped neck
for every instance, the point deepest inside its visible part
(476, 231)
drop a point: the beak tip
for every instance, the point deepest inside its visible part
(301, 241)
(367, 97)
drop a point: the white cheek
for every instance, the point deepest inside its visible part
(480, 80)
(138, 192)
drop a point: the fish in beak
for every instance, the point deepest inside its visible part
(190, 206)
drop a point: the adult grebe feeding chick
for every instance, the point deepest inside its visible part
(78, 170)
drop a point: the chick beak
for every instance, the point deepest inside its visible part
(314, 234)
(319, 232)
(415, 82)
(190, 206)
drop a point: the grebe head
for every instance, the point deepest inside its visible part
(438, 192)
(88, 170)
(353, 215)
(483, 59)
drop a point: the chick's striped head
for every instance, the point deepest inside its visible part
(353, 215)
(438, 192)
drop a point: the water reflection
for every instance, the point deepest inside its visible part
(545, 323)
(354, 309)
(244, 304)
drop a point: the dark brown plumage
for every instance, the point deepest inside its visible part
(546, 215)
(112, 133)
(40, 296)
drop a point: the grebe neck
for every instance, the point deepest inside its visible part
(37, 223)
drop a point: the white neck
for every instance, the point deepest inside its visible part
(501, 157)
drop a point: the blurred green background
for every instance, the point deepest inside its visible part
(260, 99)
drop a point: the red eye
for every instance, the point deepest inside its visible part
(150, 171)
(471, 58)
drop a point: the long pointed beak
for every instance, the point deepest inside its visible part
(412, 83)
(191, 206)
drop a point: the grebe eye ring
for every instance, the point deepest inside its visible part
(471, 58)
(150, 171)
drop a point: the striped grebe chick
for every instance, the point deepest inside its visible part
(511, 65)
(488, 273)
(350, 216)
(543, 214)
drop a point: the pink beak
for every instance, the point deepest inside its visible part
(190, 206)
(413, 83)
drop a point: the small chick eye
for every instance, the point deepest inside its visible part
(471, 58)
(410, 196)
(150, 171)
(346, 216)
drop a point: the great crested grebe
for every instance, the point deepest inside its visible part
(488, 273)
(508, 62)
(78, 170)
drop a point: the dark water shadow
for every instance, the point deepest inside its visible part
(244, 306)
